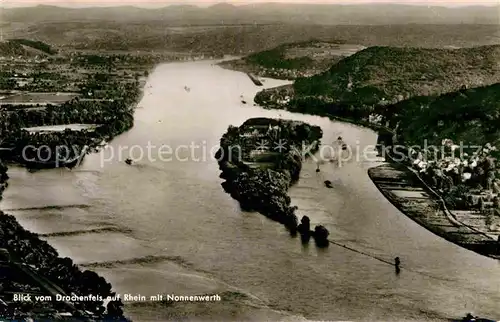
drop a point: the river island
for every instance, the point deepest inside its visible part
(260, 160)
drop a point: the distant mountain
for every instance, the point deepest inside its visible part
(369, 14)
(223, 7)
(293, 60)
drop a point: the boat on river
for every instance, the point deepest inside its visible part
(341, 142)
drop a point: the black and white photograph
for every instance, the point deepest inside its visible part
(249, 160)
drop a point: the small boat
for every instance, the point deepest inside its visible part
(128, 161)
(341, 141)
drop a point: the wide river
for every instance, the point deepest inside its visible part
(164, 225)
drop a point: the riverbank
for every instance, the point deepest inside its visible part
(177, 251)
(255, 79)
(35, 267)
(243, 66)
(476, 239)
(259, 174)
(101, 89)
(414, 199)
(431, 211)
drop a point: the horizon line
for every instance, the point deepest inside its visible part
(195, 3)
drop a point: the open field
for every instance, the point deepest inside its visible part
(425, 208)
(37, 98)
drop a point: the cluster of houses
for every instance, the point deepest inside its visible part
(453, 170)
(283, 73)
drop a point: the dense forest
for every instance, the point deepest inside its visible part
(380, 76)
(471, 116)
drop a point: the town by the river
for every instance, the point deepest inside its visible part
(168, 227)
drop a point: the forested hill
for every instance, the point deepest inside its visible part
(296, 59)
(386, 75)
(471, 116)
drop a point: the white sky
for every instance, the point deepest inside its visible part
(162, 3)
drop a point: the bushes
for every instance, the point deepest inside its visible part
(389, 75)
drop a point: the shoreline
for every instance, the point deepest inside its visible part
(488, 246)
(35, 267)
(404, 190)
(262, 185)
(476, 241)
(38, 266)
(237, 65)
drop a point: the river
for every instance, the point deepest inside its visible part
(168, 227)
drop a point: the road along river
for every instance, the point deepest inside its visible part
(168, 227)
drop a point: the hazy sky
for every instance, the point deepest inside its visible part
(161, 3)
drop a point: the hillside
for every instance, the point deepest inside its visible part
(380, 76)
(25, 47)
(289, 61)
(8, 48)
(470, 116)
